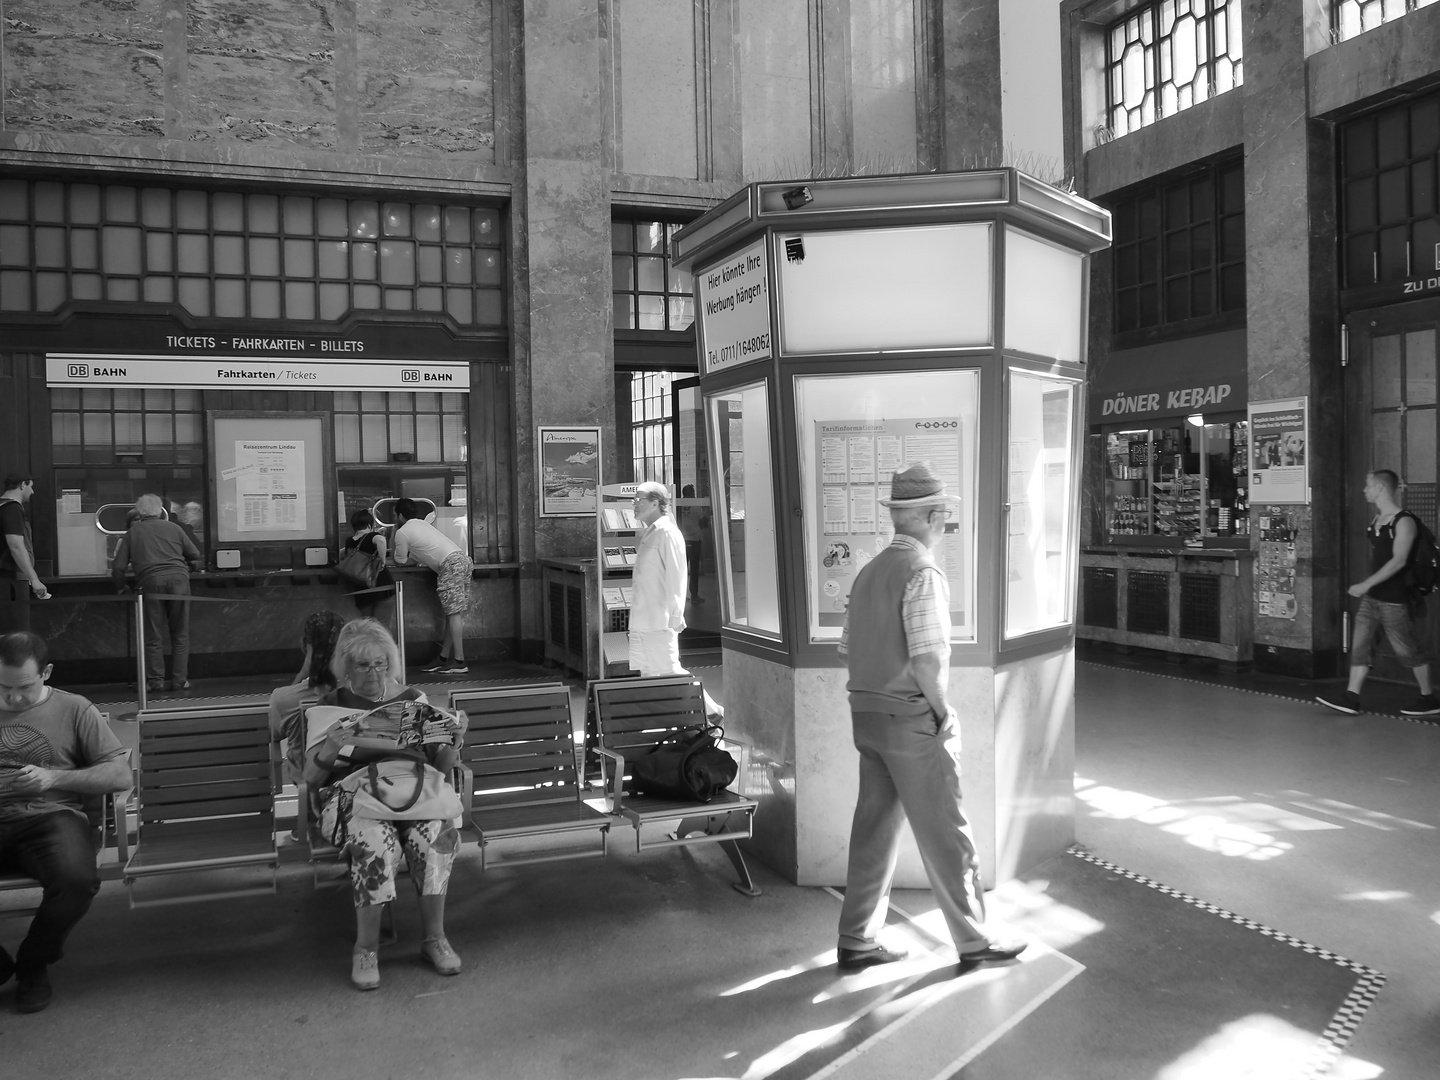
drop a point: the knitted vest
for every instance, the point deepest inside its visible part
(881, 679)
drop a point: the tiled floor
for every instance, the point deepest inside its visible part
(1296, 847)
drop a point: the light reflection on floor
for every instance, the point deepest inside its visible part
(1255, 1047)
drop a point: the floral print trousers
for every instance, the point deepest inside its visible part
(375, 848)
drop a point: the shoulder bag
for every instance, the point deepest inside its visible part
(361, 568)
(687, 766)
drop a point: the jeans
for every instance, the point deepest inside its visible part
(55, 848)
(161, 612)
(14, 604)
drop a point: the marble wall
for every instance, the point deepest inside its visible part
(329, 75)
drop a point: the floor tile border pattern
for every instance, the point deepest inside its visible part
(1351, 1011)
(1429, 721)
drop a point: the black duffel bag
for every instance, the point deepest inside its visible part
(688, 766)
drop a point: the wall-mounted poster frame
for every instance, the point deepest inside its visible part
(568, 459)
(1279, 451)
(272, 478)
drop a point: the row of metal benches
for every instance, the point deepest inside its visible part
(208, 780)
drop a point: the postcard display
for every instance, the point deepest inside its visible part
(847, 327)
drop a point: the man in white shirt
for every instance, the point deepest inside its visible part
(418, 541)
(657, 609)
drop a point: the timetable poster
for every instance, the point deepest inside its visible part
(270, 486)
(856, 460)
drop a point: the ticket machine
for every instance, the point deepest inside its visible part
(846, 327)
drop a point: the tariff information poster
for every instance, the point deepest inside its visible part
(857, 459)
(270, 486)
(1279, 463)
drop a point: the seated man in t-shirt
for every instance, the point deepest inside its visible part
(55, 748)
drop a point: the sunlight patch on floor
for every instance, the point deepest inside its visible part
(1224, 824)
(1255, 1047)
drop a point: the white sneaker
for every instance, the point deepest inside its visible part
(442, 957)
(365, 969)
(452, 667)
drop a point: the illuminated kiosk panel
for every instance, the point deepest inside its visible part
(1044, 297)
(854, 431)
(872, 290)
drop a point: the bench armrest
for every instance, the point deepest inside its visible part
(745, 749)
(462, 779)
(118, 802)
(617, 796)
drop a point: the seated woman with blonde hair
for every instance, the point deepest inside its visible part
(366, 662)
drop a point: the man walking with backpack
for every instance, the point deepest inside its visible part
(1385, 601)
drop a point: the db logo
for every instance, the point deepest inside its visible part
(409, 375)
(78, 371)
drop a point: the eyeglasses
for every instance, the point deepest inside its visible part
(379, 667)
(944, 513)
(644, 498)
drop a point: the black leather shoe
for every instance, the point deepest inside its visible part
(855, 959)
(33, 992)
(996, 950)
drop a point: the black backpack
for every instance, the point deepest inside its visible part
(1422, 571)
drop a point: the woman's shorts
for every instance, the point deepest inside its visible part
(1398, 625)
(453, 586)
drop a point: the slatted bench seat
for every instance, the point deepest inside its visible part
(629, 716)
(519, 778)
(205, 790)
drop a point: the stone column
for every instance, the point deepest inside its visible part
(565, 279)
(959, 100)
(1291, 311)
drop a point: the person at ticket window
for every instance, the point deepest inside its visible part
(163, 555)
(417, 541)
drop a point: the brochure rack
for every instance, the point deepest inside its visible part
(616, 536)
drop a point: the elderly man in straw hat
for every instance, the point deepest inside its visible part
(897, 645)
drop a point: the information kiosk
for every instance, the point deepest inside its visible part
(848, 326)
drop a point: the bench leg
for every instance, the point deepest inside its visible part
(710, 826)
(737, 858)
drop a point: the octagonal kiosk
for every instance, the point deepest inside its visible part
(848, 326)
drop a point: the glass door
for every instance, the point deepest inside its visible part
(1391, 400)
(693, 510)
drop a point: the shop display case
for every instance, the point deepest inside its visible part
(1182, 481)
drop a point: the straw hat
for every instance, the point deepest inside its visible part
(917, 485)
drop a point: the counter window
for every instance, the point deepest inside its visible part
(855, 431)
(745, 507)
(1039, 547)
(1183, 481)
(110, 446)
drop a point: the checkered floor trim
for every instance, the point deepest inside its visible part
(1431, 721)
(1352, 1010)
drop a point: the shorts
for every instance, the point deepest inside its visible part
(1397, 624)
(656, 652)
(453, 583)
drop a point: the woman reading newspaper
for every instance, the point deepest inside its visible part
(382, 753)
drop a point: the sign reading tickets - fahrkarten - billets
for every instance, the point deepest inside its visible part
(734, 299)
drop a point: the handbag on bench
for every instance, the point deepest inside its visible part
(687, 766)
